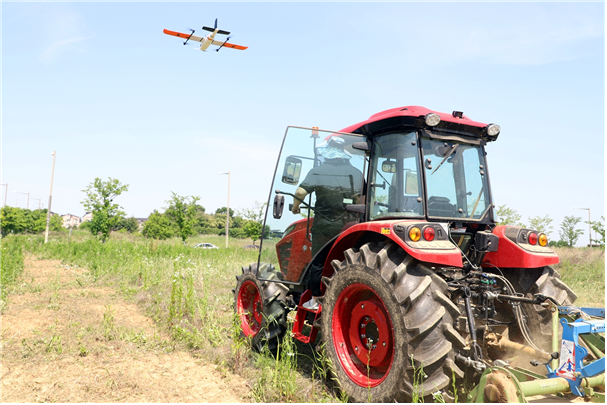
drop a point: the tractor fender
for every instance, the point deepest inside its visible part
(515, 251)
(442, 254)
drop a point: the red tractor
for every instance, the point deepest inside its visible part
(415, 272)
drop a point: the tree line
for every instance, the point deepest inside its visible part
(184, 217)
(568, 231)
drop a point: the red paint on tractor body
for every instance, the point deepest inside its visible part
(294, 250)
(349, 238)
(413, 111)
(511, 254)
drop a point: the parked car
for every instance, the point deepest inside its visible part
(206, 246)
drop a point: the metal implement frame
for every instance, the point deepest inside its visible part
(568, 374)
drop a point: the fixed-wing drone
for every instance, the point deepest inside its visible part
(208, 40)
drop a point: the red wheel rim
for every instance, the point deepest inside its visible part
(249, 308)
(362, 335)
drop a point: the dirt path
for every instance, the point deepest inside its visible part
(65, 340)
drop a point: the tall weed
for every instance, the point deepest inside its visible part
(11, 264)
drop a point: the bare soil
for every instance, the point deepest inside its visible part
(67, 340)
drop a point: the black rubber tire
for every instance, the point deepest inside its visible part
(273, 320)
(539, 318)
(421, 316)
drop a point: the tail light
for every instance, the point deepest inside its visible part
(532, 238)
(415, 234)
(429, 233)
(543, 239)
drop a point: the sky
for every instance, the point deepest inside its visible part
(100, 84)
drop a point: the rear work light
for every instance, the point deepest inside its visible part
(543, 239)
(493, 129)
(415, 234)
(432, 119)
(532, 238)
(429, 233)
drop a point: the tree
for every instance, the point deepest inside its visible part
(568, 233)
(18, 220)
(223, 210)
(183, 214)
(253, 230)
(130, 225)
(599, 228)
(99, 201)
(508, 216)
(541, 224)
(254, 216)
(158, 226)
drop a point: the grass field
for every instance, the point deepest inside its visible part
(188, 292)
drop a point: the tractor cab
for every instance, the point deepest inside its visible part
(415, 166)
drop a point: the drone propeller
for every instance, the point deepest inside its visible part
(224, 42)
(191, 33)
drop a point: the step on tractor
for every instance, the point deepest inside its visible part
(394, 218)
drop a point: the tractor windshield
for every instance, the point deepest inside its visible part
(456, 180)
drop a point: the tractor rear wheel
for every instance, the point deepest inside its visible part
(260, 306)
(385, 318)
(548, 283)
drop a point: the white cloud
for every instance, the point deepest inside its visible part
(64, 31)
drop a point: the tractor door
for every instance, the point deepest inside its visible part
(331, 171)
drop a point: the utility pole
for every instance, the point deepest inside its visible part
(5, 193)
(50, 198)
(228, 212)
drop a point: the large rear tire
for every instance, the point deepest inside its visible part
(548, 283)
(386, 316)
(260, 306)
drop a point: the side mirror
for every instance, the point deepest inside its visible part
(388, 166)
(279, 204)
(291, 171)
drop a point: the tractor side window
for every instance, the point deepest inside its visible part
(395, 183)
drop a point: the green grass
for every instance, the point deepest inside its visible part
(583, 269)
(187, 292)
(11, 265)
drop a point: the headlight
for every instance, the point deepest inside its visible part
(432, 119)
(493, 129)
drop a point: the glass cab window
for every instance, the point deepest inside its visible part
(326, 166)
(395, 184)
(456, 183)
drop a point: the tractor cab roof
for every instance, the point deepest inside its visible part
(416, 117)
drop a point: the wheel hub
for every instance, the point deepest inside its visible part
(362, 335)
(369, 333)
(250, 308)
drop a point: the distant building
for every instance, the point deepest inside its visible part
(141, 221)
(87, 217)
(71, 221)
